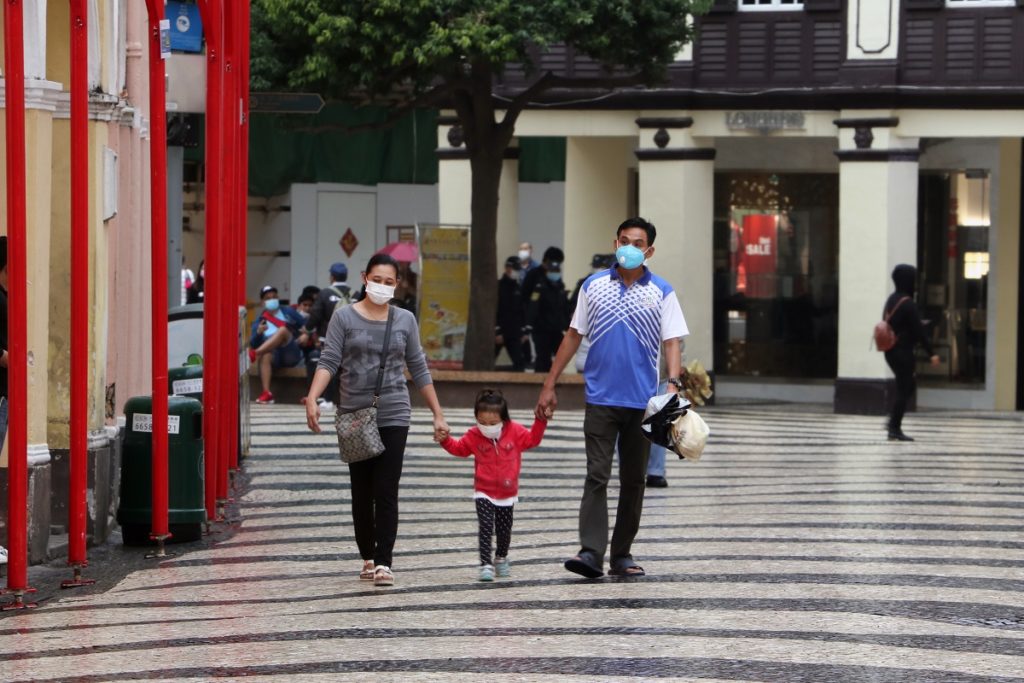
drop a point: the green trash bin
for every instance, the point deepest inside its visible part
(186, 503)
(186, 381)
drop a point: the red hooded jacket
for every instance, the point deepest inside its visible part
(497, 462)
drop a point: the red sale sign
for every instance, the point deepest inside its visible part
(759, 247)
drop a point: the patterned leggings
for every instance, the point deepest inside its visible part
(490, 516)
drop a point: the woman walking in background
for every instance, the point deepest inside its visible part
(905, 320)
(353, 348)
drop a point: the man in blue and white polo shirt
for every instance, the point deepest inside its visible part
(629, 315)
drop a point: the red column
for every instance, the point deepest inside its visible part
(17, 336)
(230, 351)
(79, 456)
(242, 173)
(158, 264)
(213, 413)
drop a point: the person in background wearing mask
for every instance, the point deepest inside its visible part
(276, 340)
(526, 262)
(905, 320)
(511, 318)
(547, 307)
(630, 315)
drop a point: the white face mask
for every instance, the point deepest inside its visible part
(490, 431)
(378, 293)
(524, 255)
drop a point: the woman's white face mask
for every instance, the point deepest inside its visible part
(378, 293)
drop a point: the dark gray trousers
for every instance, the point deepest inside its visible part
(603, 427)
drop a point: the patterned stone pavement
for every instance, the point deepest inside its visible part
(803, 547)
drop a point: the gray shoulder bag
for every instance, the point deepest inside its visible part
(358, 435)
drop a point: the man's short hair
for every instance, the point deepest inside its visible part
(638, 222)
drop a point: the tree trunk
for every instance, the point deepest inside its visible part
(485, 162)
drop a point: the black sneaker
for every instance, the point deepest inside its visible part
(656, 482)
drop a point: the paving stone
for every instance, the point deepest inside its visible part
(802, 547)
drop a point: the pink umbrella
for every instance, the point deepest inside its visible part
(403, 252)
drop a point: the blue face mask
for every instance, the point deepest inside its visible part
(629, 257)
(554, 277)
(272, 304)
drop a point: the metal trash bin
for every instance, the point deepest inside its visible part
(186, 503)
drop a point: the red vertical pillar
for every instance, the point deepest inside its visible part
(79, 456)
(242, 175)
(17, 336)
(230, 350)
(213, 340)
(158, 264)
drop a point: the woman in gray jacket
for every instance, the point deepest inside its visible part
(355, 340)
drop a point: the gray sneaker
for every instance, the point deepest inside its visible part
(502, 566)
(486, 572)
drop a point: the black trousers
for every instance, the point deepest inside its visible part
(546, 344)
(375, 497)
(901, 361)
(493, 519)
(514, 346)
(603, 427)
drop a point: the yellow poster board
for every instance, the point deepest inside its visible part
(444, 293)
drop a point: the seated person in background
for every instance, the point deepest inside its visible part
(276, 339)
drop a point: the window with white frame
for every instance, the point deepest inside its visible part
(770, 5)
(960, 4)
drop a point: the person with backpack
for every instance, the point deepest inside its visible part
(331, 298)
(905, 320)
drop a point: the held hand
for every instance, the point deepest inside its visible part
(499, 340)
(671, 389)
(441, 430)
(546, 404)
(935, 360)
(312, 415)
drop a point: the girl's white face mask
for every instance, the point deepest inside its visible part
(378, 293)
(490, 431)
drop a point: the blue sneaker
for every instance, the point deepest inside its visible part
(502, 566)
(486, 572)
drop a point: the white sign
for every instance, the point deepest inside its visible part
(143, 422)
(187, 386)
(165, 38)
(764, 121)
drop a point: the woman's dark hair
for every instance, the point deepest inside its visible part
(382, 260)
(638, 222)
(492, 401)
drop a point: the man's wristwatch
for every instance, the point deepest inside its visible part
(676, 382)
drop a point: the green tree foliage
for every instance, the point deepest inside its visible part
(450, 53)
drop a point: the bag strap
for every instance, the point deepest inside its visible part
(383, 355)
(898, 304)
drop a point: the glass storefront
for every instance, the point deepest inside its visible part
(953, 275)
(776, 250)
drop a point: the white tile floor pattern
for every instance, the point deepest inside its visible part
(802, 547)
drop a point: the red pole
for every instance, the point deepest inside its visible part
(230, 350)
(242, 175)
(79, 291)
(158, 217)
(211, 11)
(17, 336)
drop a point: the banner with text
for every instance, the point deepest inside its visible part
(444, 293)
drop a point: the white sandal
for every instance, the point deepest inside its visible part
(382, 576)
(367, 572)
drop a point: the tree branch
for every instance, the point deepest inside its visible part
(550, 81)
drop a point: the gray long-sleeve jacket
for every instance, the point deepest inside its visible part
(353, 349)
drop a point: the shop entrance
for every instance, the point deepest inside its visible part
(953, 258)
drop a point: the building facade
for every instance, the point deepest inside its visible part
(795, 154)
(119, 247)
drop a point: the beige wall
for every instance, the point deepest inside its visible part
(596, 198)
(1006, 265)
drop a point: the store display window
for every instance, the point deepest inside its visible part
(776, 274)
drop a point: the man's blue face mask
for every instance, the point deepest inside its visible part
(629, 257)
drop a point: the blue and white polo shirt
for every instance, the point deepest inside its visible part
(626, 327)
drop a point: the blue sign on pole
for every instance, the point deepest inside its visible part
(186, 26)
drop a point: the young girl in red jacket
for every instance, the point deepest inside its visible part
(497, 444)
